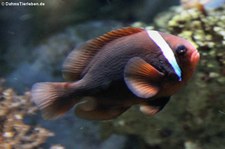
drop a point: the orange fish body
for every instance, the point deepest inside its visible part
(121, 68)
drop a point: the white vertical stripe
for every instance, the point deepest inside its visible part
(166, 50)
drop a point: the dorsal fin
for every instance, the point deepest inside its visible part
(79, 58)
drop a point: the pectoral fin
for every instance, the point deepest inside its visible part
(154, 106)
(142, 78)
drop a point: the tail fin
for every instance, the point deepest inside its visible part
(54, 99)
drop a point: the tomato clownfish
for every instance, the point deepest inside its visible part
(124, 67)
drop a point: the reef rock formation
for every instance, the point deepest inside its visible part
(194, 118)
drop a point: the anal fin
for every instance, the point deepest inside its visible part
(89, 109)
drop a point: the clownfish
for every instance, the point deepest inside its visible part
(125, 67)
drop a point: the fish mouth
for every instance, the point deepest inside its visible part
(195, 57)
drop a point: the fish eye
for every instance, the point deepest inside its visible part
(181, 50)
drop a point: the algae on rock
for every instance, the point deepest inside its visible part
(14, 133)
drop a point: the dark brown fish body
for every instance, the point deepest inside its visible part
(116, 54)
(108, 65)
(117, 70)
